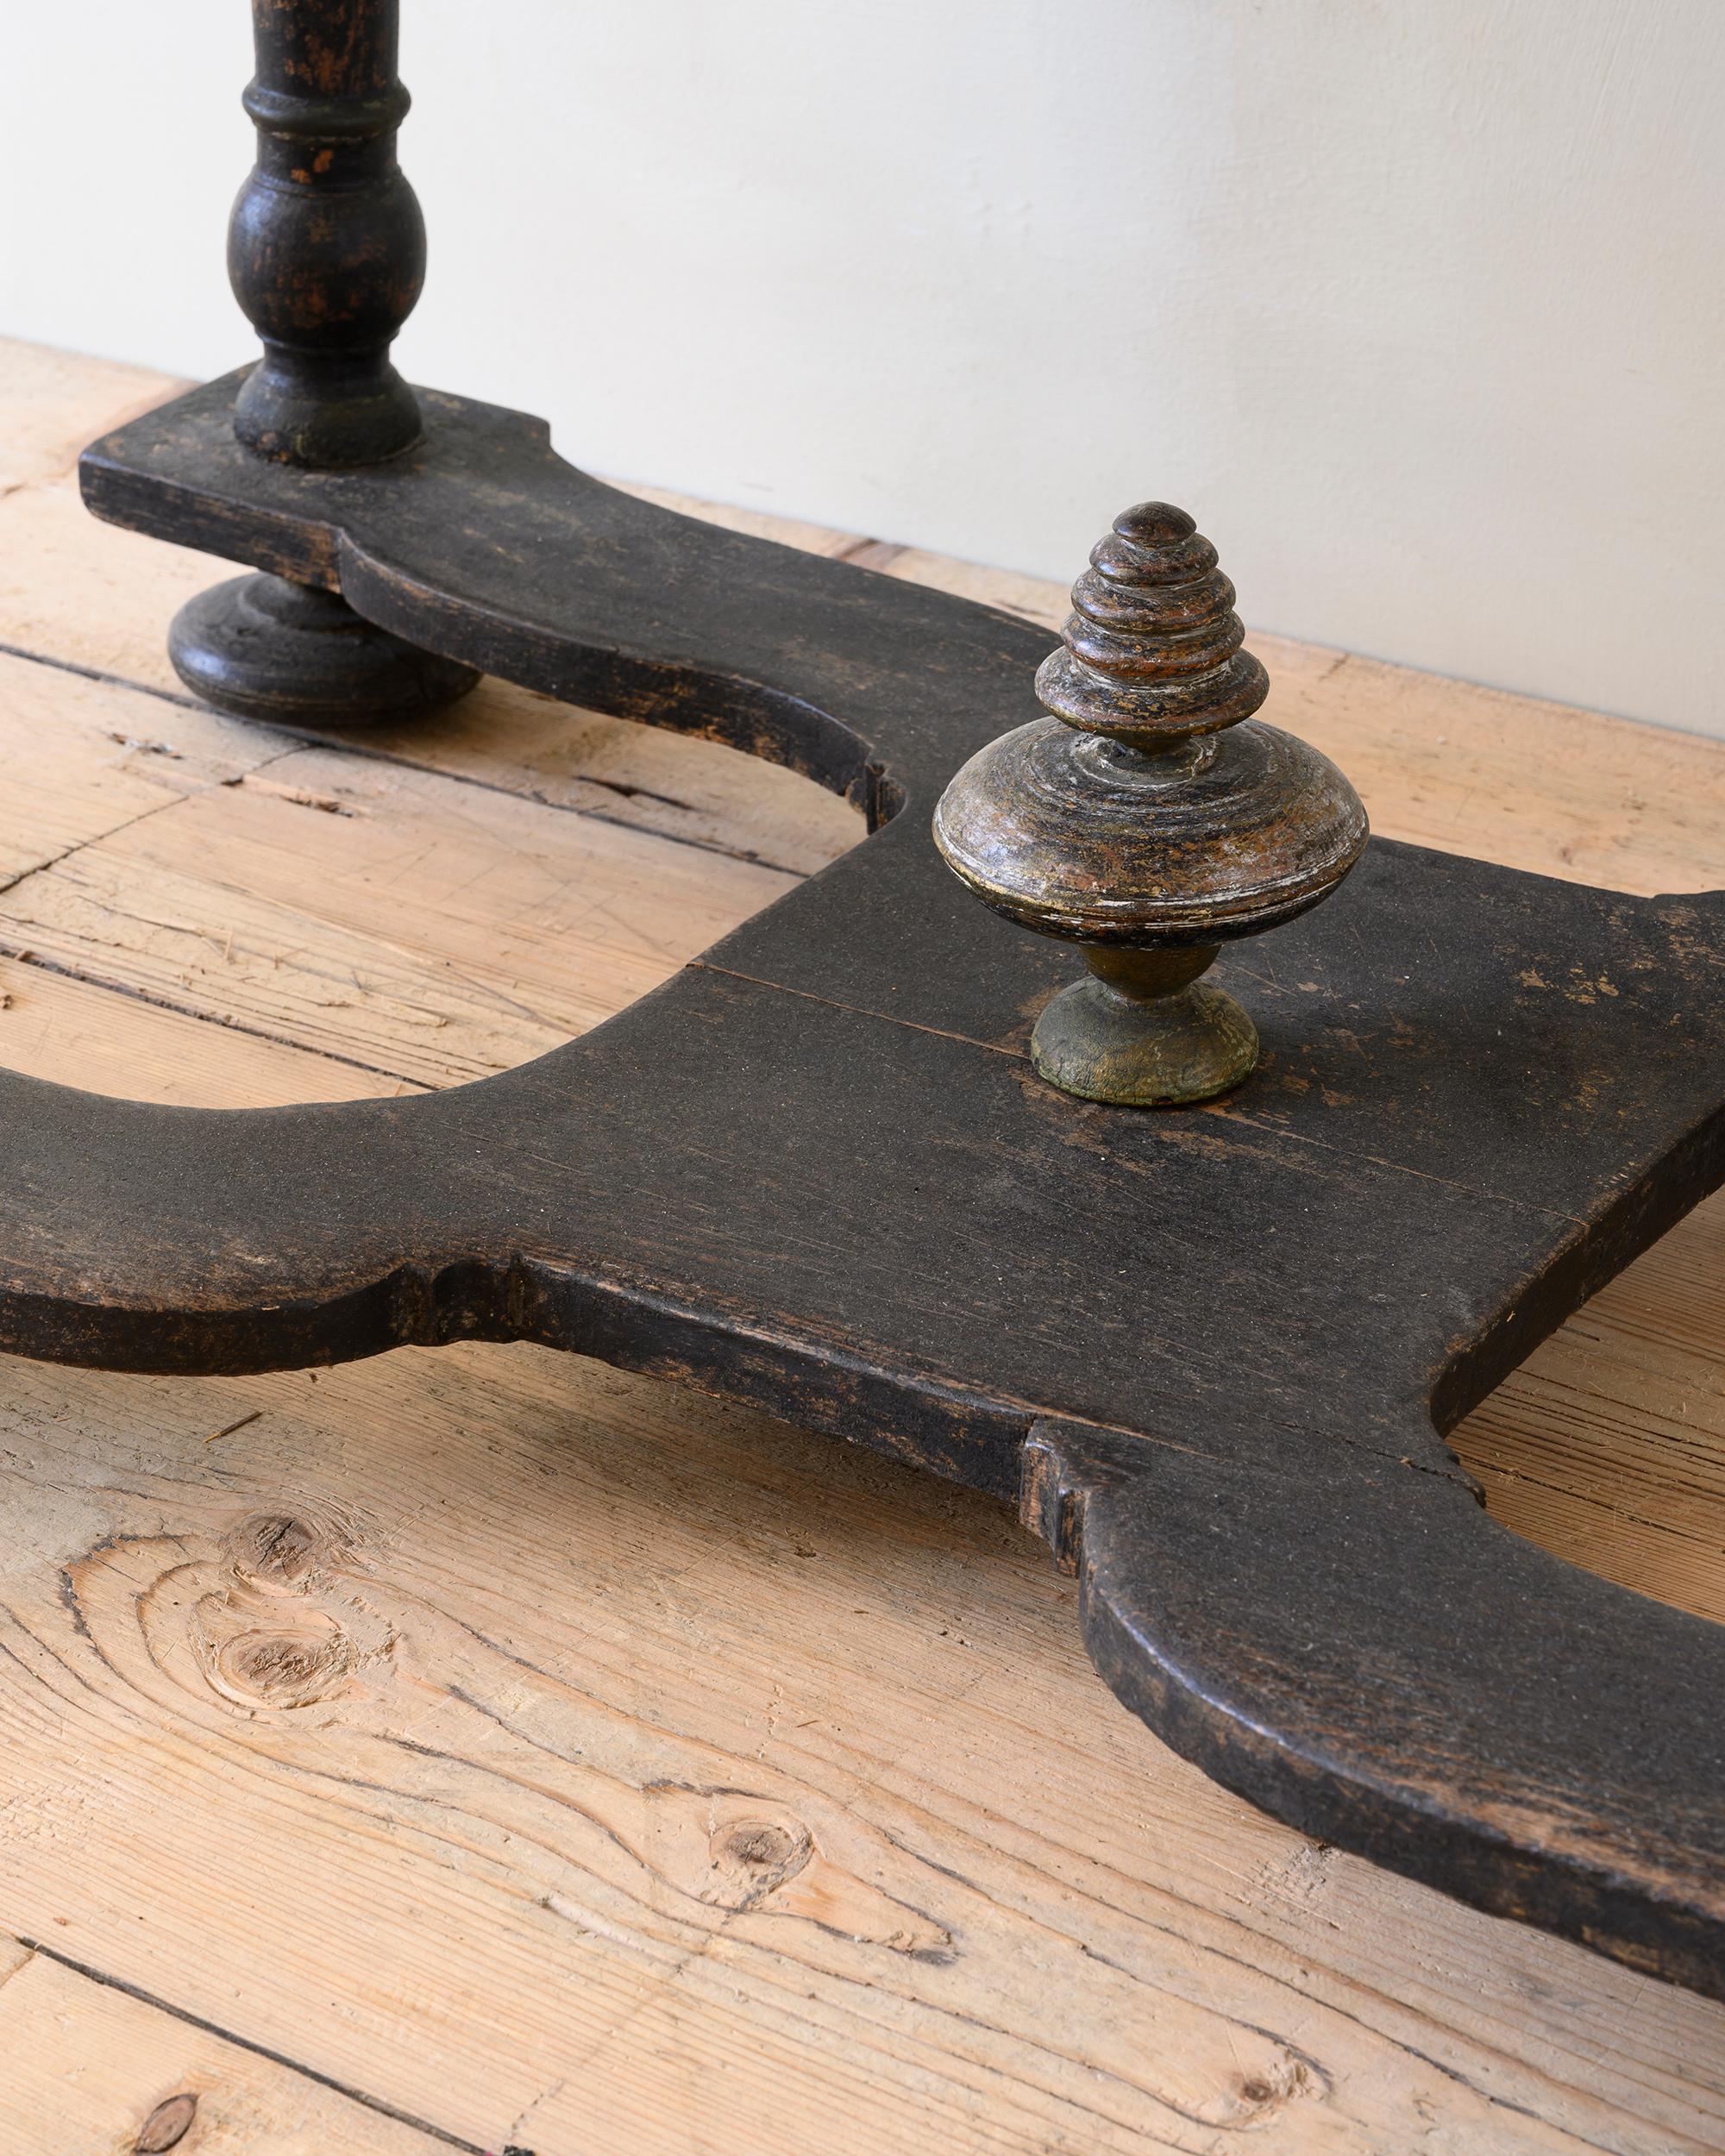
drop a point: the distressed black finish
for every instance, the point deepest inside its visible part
(326, 247)
(326, 253)
(263, 648)
(1210, 1351)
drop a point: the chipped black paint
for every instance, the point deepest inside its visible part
(1212, 1350)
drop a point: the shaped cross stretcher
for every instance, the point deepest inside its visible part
(1209, 1351)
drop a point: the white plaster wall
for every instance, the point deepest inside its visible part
(1416, 304)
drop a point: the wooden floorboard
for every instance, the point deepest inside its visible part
(550, 1757)
(91, 2069)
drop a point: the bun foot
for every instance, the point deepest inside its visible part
(263, 648)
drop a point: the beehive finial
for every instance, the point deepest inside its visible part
(1150, 819)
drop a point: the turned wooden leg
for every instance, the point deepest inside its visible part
(326, 250)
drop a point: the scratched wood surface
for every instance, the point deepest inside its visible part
(487, 1749)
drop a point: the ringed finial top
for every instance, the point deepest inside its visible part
(1152, 646)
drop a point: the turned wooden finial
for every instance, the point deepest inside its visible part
(1150, 819)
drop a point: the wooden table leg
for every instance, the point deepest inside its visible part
(326, 250)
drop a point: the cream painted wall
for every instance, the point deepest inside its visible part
(1416, 304)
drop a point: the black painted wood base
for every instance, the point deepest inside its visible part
(1209, 1351)
(263, 648)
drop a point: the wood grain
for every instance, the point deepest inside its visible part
(553, 1755)
(54, 1025)
(91, 2071)
(51, 400)
(423, 930)
(688, 1761)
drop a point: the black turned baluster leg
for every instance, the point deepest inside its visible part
(326, 250)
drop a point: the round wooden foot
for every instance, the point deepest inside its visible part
(1142, 1031)
(263, 648)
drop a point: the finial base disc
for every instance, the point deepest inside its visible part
(263, 648)
(1101, 1042)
